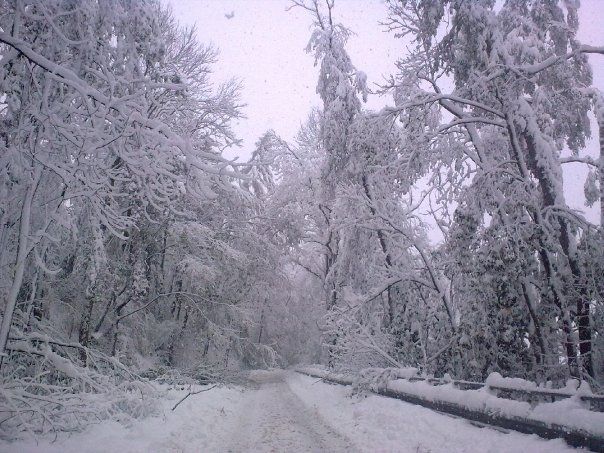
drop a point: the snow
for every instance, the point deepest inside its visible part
(383, 424)
(480, 400)
(574, 413)
(496, 380)
(570, 412)
(274, 419)
(198, 424)
(286, 411)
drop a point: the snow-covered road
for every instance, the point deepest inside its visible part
(274, 419)
(284, 411)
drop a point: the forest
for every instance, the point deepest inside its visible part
(132, 249)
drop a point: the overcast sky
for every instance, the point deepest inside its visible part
(264, 45)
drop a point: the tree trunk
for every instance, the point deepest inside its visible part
(387, 257)
(23, 251)
(30, 305)
(261, 327)
(550, 185)
(84, 332)
(567, 241)
(601, 164)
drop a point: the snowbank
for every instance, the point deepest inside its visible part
(201, 423)
(378, 424)
(571, 413)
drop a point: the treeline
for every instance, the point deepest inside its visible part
(126, 239)
(129, 245)
(489, 105)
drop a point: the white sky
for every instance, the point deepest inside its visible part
(264, 46)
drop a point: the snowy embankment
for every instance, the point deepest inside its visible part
(570, 414)
(198, 424)
(379, 424)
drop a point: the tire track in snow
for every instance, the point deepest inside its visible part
(274, 419)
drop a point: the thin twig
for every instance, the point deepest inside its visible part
(193, 393)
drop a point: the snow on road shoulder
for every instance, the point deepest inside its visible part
(201, 423)
(380, 424)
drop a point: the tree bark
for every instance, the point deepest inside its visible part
(384, 247)
(23, 251)
(567, 241)
(601, 167)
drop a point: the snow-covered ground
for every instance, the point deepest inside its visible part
(287, 412)
(201, 423)
(380, 424)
